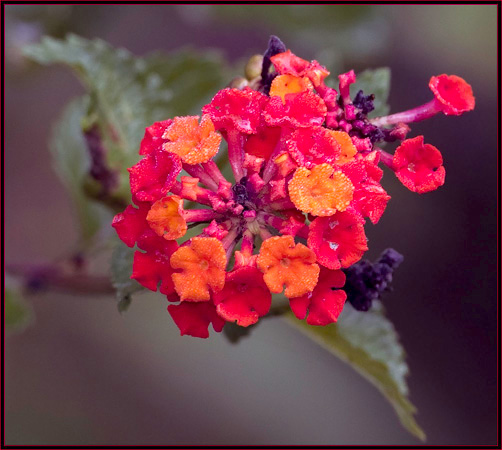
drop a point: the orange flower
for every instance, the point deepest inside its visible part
(289, 84)
(192, 142)
(166, 217)
(286, 264)
(202, 265)
(320, 191)
(348, 149)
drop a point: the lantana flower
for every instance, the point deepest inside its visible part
(306, 178)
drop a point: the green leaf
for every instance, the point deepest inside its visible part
(121, 270)
(129, 93)
(374, 81)
(369, 343)
(18, 314)
(71, 162)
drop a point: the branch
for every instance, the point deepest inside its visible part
(60, 277)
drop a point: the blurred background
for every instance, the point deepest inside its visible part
(81, 373)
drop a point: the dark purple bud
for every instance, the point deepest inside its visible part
(364, 102)
(275, 46)
(367, 281)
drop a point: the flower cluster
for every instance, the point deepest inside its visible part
(305, 161)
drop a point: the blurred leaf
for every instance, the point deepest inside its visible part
(298, 17)
(338, 32)
(18, 314)
(121, 270)
(128, 93)
(374, 81)
(369, 343)
(71, 162)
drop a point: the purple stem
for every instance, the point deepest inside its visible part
(412, 115)
(200, 215)
(386, 158)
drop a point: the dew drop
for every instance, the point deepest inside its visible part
(333, 245)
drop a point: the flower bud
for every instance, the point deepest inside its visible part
(253, 67)
(238, 83)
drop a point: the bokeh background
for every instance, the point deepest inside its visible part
(84, 374)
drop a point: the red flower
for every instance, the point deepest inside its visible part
(154, 176)
(193, 319)
(153, 267)
(262, 144)
(370, 198)
(453, 94)
(245, 297)
(419, 166)
(131, 224)
(325, 303)
(338, 241)
(153, 140)
(312, 146)
(305, 109)
(290, 64)
(233, 109)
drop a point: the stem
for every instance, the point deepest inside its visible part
(230, 250)
(265, 234)
(213, 171)
(54, 277)
(229, 238)
(200, 215)
(270, 166)
(386, 158)
(198, 172)
(272, 220)
(176, 188)
(236, 153)
(247, 243)
(412, 115)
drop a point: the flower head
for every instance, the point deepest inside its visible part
(306, 176)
